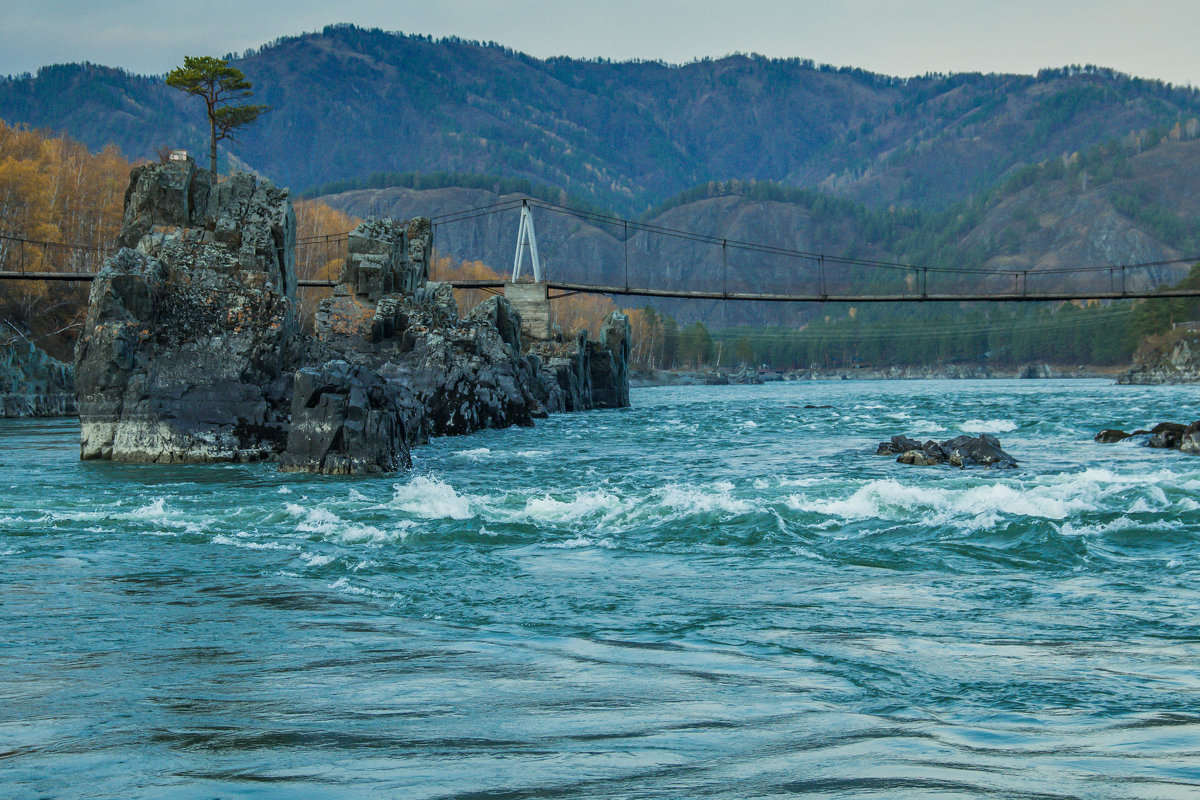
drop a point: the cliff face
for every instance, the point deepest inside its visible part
(190, 352)
(1179, 362)
(187, 349)
(391, 363)
(34, 384)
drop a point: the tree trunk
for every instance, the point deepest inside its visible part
(212, 145)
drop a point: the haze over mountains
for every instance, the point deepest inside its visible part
(1074, 165)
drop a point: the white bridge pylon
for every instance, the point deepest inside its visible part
(526, 240)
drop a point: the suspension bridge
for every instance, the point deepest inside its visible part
(711, 267)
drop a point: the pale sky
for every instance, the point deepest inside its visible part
(901, 37)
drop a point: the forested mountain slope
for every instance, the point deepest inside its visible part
(1119, 203)
(348, 102)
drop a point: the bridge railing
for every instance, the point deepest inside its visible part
(35, 257)
(320, 258)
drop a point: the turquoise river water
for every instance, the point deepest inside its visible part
(718, 593)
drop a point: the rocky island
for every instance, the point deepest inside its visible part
(192, 352)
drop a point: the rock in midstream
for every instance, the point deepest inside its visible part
(1164, 435)
(961, 451)
(191, 351)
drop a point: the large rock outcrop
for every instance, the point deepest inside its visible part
(345, 421)
(1177, 361)
(33, 383)
(445, 374)
(189, 344)
(190, 352)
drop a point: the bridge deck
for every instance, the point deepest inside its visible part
(762, 297)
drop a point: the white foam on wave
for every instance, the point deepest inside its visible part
(926, 426)
(988, 426)
(748, 423)
(477, 454)
(1155, 501)
(329, 525)
(1114, 526)
(315, 559)
(155, 510)
(249, 544)
(1188, 504)
(798, 481)
(581, 541)
(431, 498)
(892, 500)
(283, 490)
(531, 453)
(702, 499)
(344, 585)
(584, 504)
(1051, 497)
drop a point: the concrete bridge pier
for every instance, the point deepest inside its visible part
(532, 301)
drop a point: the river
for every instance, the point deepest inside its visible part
(718, 593)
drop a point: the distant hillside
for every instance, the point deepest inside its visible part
(349, 102)
(1119, 203)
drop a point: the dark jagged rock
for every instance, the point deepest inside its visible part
(928, 455)
(566, 383)
(345, 421)
(1190, 441)
(983, 450)
(1163, 436)
(33, 383)
(188, 347)
(961, 451)
(454, 375)
(610, 384)
(898, 444)
(190, 352)
(1166, 435)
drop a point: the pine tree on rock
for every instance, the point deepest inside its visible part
(219, 85)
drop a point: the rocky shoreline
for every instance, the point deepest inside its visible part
(191, 351)
(1177, 361)
(747, 376)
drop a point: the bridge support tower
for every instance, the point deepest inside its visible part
(532, 300)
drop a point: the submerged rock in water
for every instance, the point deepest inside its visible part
(1111, 436)
(961, 451)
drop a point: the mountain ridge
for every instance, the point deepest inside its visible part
(350, 101)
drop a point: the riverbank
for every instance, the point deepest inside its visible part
(723, 377)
